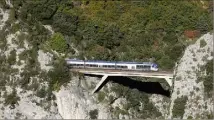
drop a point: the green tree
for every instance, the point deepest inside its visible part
(58, 43)
(59, 75)
(65, 23)
(110, 37)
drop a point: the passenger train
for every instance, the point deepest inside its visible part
(141, 66)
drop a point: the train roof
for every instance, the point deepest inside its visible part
(101, 61)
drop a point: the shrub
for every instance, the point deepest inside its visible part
(2, 82)
(101, 96)
(41, 10)
(34, 85)
(25, 79)
(166, 63)
(202, 43)
(41, 92)
(59, 75)
(12, 99)
(189, 117)
(12, 58)
(208, 80)
(65, 23)
(58, 43)
(93, 114)
(12, 16)
(179, 106)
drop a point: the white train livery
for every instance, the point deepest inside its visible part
(92, 64)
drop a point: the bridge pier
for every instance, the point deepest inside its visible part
(169, 81)
(100, 83)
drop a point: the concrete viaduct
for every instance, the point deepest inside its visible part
(105, 73)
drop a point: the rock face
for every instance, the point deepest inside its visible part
(185, 83)
(75, 103)
(5, 16)
(44, 59)
(29, 107)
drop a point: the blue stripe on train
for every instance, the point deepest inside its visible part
(120, 62)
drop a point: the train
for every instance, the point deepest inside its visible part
(120, 65)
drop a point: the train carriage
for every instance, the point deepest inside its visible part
(140, 66)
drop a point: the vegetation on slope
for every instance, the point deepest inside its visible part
(208, 80)
(179, 106)
(206, 76)
(121, 30)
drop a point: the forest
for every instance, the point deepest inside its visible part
(117, 30)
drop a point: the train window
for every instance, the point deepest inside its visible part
(95, 65)
(111, 66)
(139, 66)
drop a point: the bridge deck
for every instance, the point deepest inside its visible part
(123, 72)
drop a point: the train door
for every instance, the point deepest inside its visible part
(133, 67)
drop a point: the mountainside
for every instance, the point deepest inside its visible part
(37, 36)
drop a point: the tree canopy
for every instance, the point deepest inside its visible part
(121, 30)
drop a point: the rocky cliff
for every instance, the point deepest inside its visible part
(24, 81)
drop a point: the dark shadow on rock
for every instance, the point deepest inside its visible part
(90, 75)
(147, 87)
